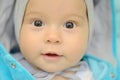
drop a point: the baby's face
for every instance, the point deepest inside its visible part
(54, 33)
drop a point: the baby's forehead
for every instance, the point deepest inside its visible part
(57, 2)
(55, 7)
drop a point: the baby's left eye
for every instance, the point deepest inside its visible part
(37, 23)
(70, 25)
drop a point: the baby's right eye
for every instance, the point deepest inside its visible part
(37, 23)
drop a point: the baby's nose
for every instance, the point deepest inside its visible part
(53, 37)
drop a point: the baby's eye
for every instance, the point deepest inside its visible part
(70, 25)
(37, 23)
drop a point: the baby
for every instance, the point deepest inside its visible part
(53, 36)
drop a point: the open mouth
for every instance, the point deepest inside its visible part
(51, 56)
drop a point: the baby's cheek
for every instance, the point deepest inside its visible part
(76, 57)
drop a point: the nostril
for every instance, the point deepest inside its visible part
(48, 41)
(53, 41)
(57, 41)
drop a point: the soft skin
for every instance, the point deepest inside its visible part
(53, 35)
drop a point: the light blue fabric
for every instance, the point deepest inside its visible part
(116, 32)
(10, 69)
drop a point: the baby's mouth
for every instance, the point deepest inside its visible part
(51, 56)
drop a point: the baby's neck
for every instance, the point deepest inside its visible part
(57, 77)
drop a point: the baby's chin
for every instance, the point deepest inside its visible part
(53, 69)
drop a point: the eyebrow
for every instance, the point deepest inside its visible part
(33, 12)
(76, 15)
(68, 15)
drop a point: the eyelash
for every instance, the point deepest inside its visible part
(37, 23)
(67, 24)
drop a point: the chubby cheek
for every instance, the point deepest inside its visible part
(76, 53)
(28, 44)
(76, 49)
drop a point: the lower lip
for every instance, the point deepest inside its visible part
(51, 58)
